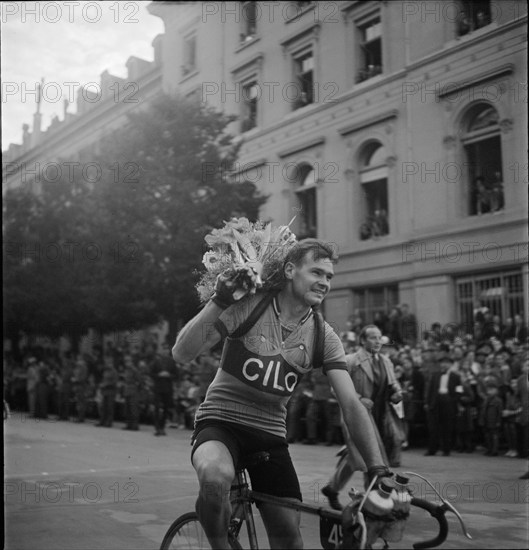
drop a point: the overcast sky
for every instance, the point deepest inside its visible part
(65, 42)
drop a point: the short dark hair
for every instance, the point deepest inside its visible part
(363, 333)
(320, 249)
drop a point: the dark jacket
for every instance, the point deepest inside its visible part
(431, 397)
(490, 417)
(160, 371)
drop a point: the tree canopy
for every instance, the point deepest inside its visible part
(117, 246)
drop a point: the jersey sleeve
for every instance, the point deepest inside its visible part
(334, 354)
(233, 316)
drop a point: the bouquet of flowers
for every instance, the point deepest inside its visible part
(240, 244)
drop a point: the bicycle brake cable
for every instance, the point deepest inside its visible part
(368, 490)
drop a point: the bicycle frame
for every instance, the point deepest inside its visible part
(242, 498)
(242, 507)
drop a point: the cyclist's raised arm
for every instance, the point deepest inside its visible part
(356, 418)
(198, 335)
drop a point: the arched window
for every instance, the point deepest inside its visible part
(482, 147)
(306, 198)
(374, 181)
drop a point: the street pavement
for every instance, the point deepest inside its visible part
(80, 487)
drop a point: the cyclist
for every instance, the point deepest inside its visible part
(245, 407)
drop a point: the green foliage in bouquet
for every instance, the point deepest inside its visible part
(243, 243)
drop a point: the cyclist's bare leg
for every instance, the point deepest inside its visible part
(282, 526)
(214, 466)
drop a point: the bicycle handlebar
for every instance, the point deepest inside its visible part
(438, 512)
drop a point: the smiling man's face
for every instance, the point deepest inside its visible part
(311, 280)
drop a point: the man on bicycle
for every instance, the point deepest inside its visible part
(244, 410)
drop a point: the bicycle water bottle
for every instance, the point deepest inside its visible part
(379, 502)
(401, 497)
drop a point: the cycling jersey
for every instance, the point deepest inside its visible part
(260, 370)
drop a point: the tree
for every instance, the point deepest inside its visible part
(175, 159)
(120, 251)
(42, 275)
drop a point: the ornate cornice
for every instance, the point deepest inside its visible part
(256, 59)
(355, 126)
(301, 147)
(455, 87)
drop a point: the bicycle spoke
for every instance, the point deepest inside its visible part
(190, 536)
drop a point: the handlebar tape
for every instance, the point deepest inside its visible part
(438, 512)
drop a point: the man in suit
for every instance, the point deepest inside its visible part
(407, 326)
(520, 330)
(440, 401)
(523, 422)
(80, 384)
(131, 392)
(31, 385)
(374, 379)
(108, 389)
(161, 370)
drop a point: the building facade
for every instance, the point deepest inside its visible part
(72, 143)
(395, 130)
(69, 148)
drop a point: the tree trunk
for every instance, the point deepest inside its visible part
(13, 336)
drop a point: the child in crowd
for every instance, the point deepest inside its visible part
(511, 414)
(491, 414)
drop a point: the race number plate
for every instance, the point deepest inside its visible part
(330, 533)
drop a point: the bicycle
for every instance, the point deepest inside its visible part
(349, 528)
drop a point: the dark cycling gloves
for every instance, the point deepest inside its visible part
(224, 289)
(231, 286)
(378, 472)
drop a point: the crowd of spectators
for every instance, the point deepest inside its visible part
(484, 374)
(130, 384)
(375, 225)
(486, 384)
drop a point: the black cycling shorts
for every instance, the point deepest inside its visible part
(276, 476)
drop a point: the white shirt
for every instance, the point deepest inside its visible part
(443, 383)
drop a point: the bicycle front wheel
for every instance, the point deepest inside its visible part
(186, 533)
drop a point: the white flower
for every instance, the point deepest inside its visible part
(242, 243)
(210, 260)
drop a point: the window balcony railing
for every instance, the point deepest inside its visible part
(367, 73)
(374, 226)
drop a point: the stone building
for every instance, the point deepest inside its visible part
(70, 144)
(68, 147)
(396, 130)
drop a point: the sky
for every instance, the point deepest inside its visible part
(69, 44)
